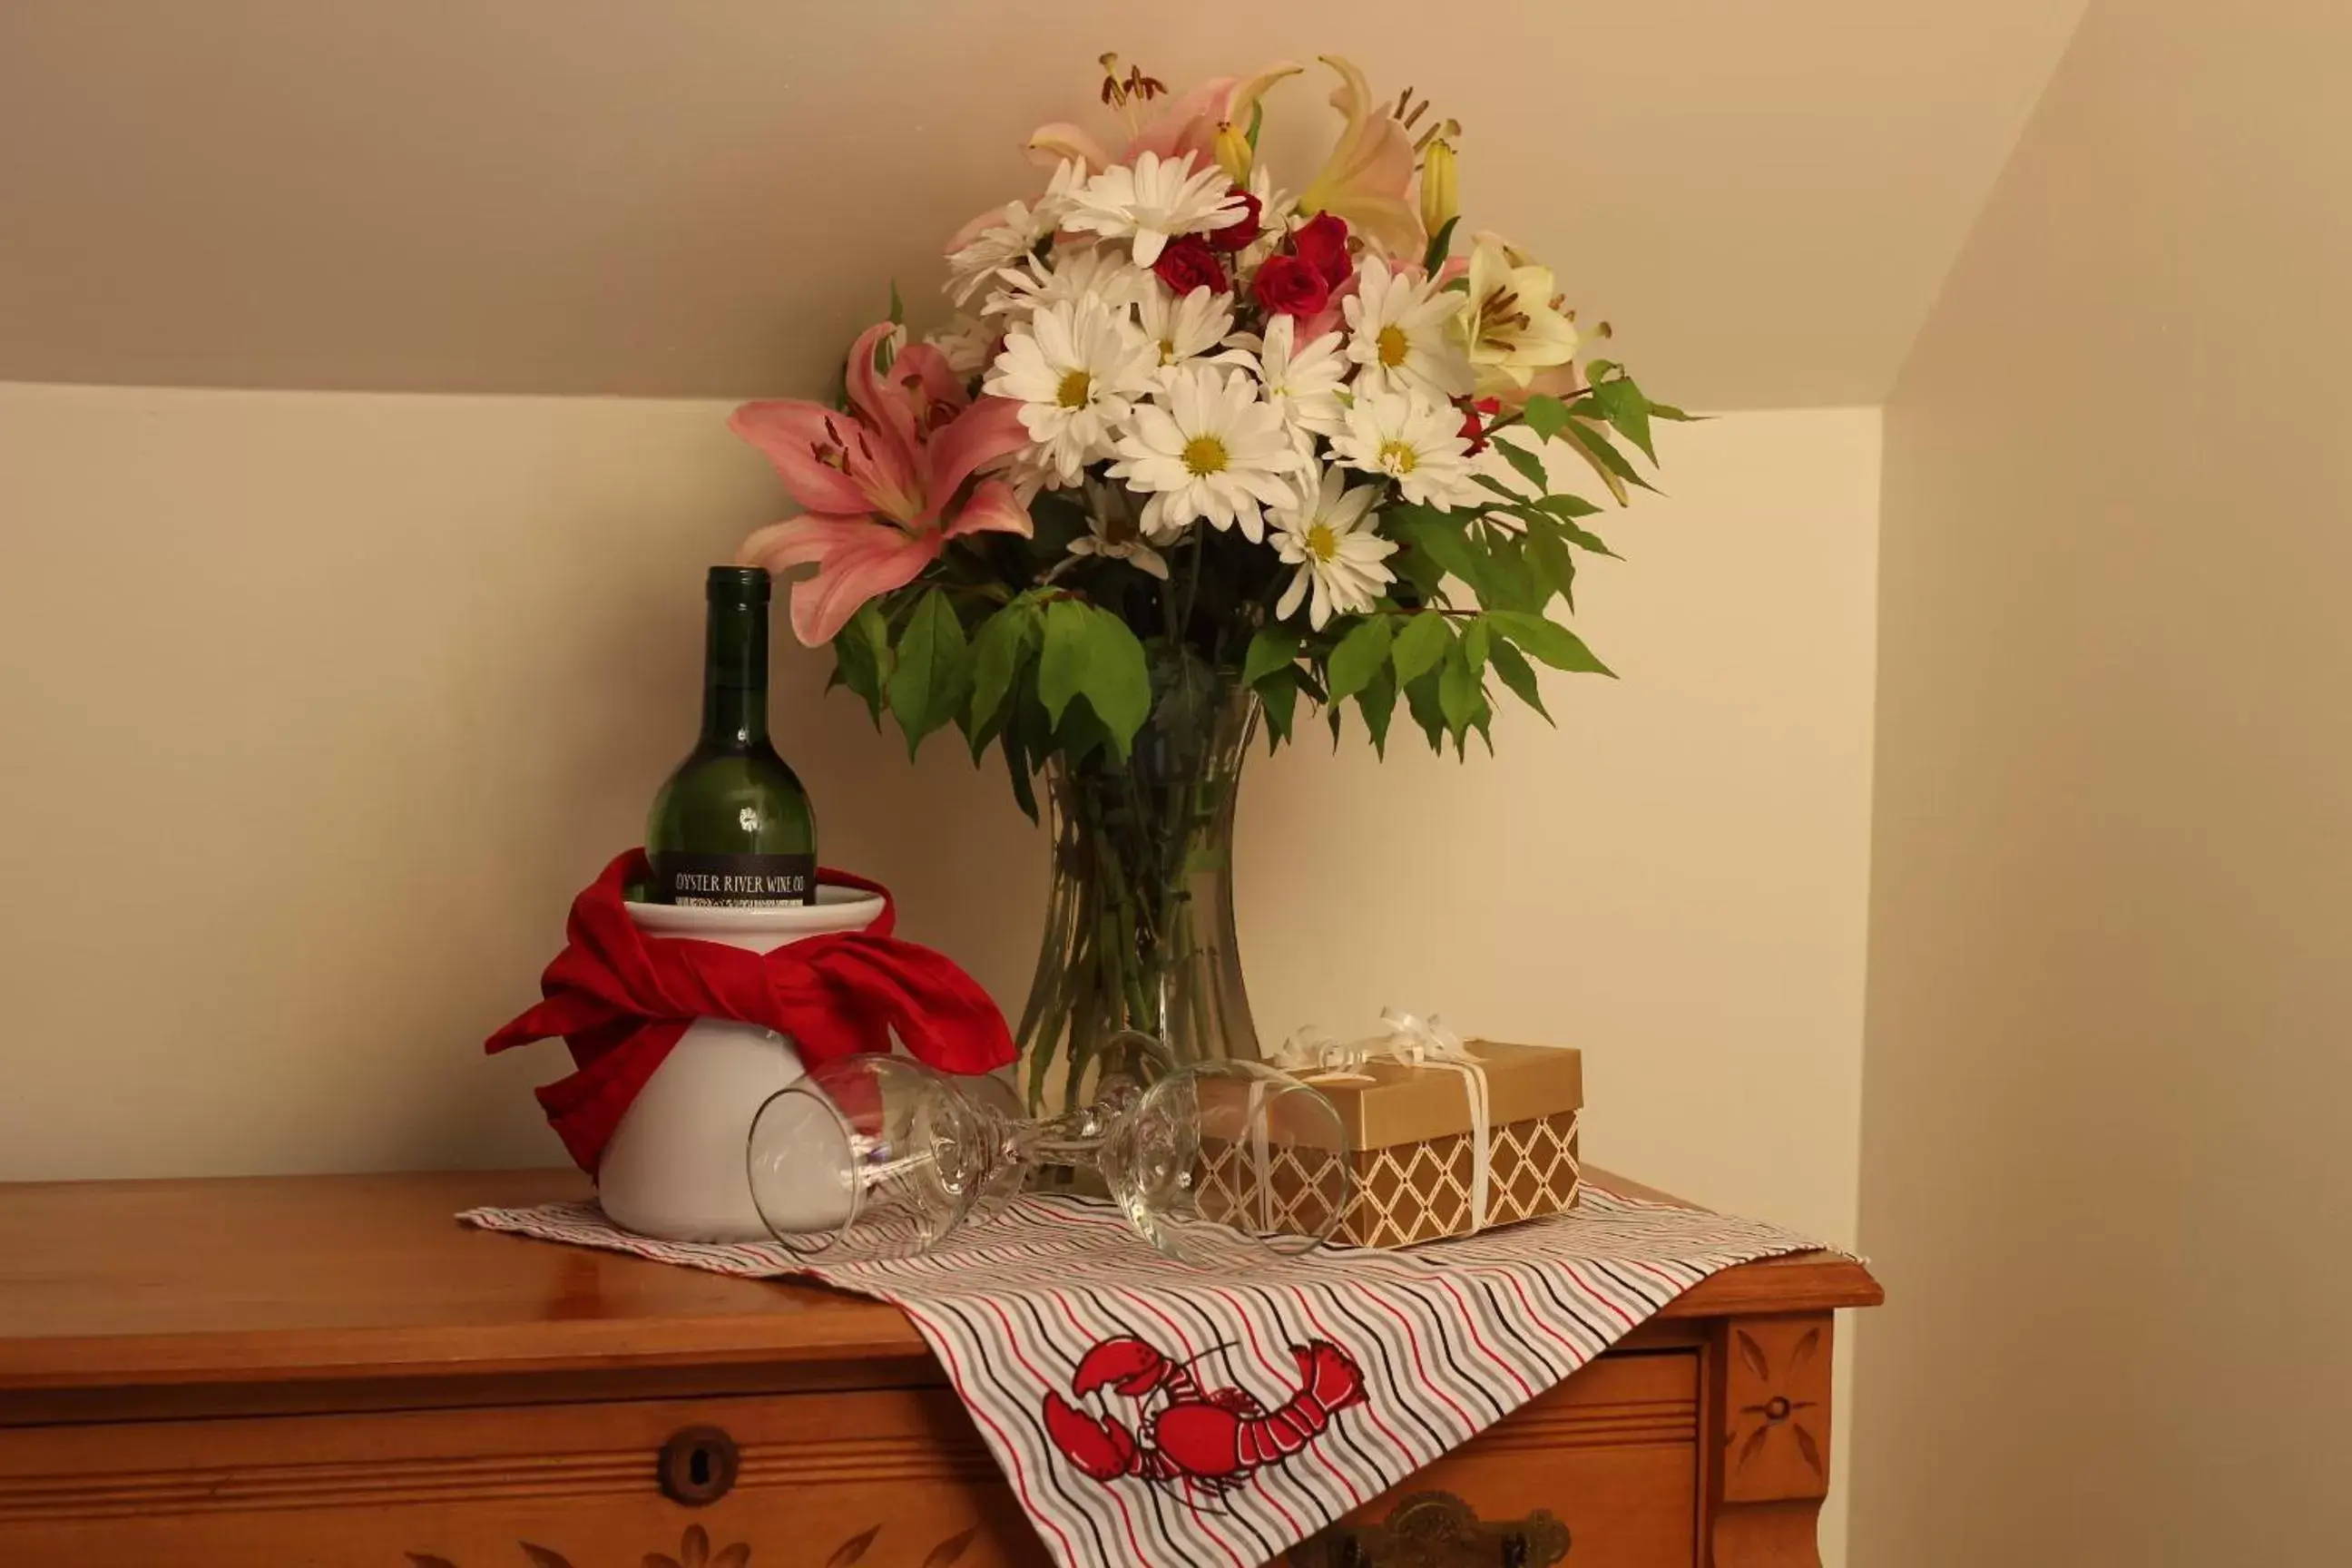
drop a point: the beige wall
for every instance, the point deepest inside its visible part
(704, 197)
(319, 708)
(2105, 1170)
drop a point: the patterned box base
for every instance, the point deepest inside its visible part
(1405, 1193)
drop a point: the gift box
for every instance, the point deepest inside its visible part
(1411, 1147)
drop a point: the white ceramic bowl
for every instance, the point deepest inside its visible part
(675, 1167)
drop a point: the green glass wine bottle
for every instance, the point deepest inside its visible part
(732, 825)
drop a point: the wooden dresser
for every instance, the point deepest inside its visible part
(329, 1373)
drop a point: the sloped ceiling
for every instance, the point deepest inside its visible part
(706, 197)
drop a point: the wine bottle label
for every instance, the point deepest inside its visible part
(734, 881)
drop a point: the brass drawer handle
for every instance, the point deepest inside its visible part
(697, 1466)
(1438, 1530)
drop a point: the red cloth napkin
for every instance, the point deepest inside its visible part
(621, 999)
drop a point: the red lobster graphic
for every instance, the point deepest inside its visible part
(1212, 1438)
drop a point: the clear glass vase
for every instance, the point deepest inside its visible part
(1139, 966)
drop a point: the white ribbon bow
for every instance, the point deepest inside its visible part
(1313, 1056)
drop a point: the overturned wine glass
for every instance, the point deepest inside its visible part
(878, 1157)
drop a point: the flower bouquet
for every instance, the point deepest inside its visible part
(1197, 454)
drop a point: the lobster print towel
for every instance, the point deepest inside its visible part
(1149, 1415)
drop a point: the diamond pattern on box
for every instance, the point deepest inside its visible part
(1405, 1193)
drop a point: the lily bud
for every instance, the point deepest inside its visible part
(1233, 150)
(1441, 197)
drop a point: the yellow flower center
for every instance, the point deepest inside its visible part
(1168, 351)
(1392, 347)
(1322, 542)
(1204, 455)
(1396, 458)
(1072, 393)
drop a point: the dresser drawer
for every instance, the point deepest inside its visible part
(1604, 1469)
(883, 1478)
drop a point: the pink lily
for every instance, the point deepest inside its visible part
(1365, 178)
(1188, 124)
(880, 483)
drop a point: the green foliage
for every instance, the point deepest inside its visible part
(1077, 662)
(1090, 653)
(933, 674)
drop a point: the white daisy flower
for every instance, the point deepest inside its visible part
(1114, 533)
(1324, 530)
(1207, 448)
(967, 343)
(1029, 470)
(1186, 328)
(983, 248)
(1075, 369)
(1406, 333)
(1301, 384)
(1417, 443)
(1154, 202)
(1072, 272)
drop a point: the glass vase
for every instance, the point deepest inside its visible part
(1138, 967)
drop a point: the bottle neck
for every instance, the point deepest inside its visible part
(735, 677)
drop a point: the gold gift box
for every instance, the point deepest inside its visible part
(1407, 1139)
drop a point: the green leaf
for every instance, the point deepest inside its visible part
(897, 306)
(1376, 702)
(1456, 682)
(1506, 582)
(1445, 541)
(1531, 467)
(1441, 244)
(1421, 700)
(1550, 553)
(1520, 676)
(1273, 648)
(1280, 697)
(1477, 643)
(1622, 404)
(1545, 416)
(1118, 679)
(1497, 486)
(1548, 641)
(1584, 539)
(1568, 506)
(1361, 655)
(1005, 641)
(1062, 655)
(861, 657)
(1608, 462)
(1017, 768)
(1668, 411)
(1419, 646)
(934, 669)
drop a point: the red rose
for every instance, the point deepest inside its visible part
(1188, 264)
(1237, 236)
(1323, 244)
(1473, 429)
(1288, 286)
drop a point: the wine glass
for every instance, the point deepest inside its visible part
(872, 1156)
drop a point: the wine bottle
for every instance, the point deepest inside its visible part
(732, 825)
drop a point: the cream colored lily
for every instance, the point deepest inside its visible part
(1510, 317)
(1364, 179)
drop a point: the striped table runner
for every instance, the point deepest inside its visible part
(1249, 1407)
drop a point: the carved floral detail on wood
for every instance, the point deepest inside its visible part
(1777, 1434)
(694, 1552)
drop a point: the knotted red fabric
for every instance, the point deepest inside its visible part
(621, 999)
